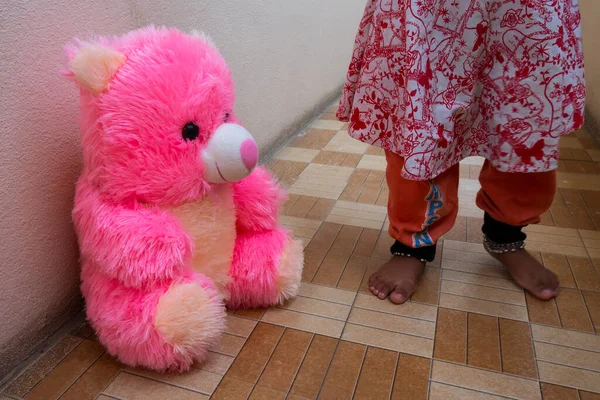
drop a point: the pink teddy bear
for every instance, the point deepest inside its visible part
(172, 222)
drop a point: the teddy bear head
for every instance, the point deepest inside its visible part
(157, 119)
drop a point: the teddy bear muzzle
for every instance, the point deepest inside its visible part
(230, 154)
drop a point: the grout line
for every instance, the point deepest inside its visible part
(480, 285)
(313, 314)
(500, 344)
(80, 375)
(398, 355)
(362, 363)
(312, 339)
(476, 390)
(491, 371)
(131, 372)
(467, 341)
(486, 300)
(267, 363)
(107, 395)
(392, 331)
(389, 313)
(569, 366)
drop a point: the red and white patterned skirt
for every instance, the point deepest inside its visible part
(436, 81)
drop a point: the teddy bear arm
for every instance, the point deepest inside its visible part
(258, 199)
(139, 247)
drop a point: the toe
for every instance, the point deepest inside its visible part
(383, 290)
(398, 296)
(546, 294)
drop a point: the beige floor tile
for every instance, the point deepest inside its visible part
(195, 380)
(327, 124)
(485, 381)
(133, 387)
(483, 292)
(321, 209)
(304, 322)
(573, 311)
(569, 377)
(564, 337)
(326, 293)
(40, 368)
(594, 154)
(557, 249)
(377, 374)
(429, 287)
(296, 154)
(67, 371)
(354, 272)
(483, 342)
(355, 185)
(96, 378)
(542, 312)
(357, 214)
(567, 356)
(560, 266)
(551, 230)
(318, 307)
(451, 336)
(546, 238)
(256, 352)
(239, 326)
(285, 362)
(589, 395)
(324, 181)
(346, 240)
(319, 246)
(344, 143)
(302, 206)
(412, 378)
(480, 280)
(314, 367)
(265, 393)
(440, 391)
(313, 138)
(569, 180)
(343, 373)
(395, 323)
(409, 309)
(585, 274)
(216, 363)
(517, 348)
(376, 163)
(483, 307)
(553, 392)
(229, 345)
(477, 269)
(331, 268)
(592, 301)
(570, 143)
(232, 389)
(388, 340)
(255, 314)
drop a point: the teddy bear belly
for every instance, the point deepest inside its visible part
(211, 224)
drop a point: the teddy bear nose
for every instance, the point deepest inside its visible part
(249, 153)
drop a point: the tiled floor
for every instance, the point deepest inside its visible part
(468, 333)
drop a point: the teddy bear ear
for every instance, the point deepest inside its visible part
(203, 36)
(94, 65)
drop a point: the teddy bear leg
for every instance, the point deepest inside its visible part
(266, 269)
(167, 328)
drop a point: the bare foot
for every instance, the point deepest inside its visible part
(530, 274)
(398, 279)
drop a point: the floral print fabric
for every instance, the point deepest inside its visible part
(439, 80)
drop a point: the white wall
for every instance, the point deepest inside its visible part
(288, 57)
(590, 12)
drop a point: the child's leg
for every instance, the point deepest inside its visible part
(419, 213)
(511, 202)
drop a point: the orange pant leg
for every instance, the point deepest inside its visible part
(515, 199)
(420, 212)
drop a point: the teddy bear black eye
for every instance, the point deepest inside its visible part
(190, 131)
(226, 117)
